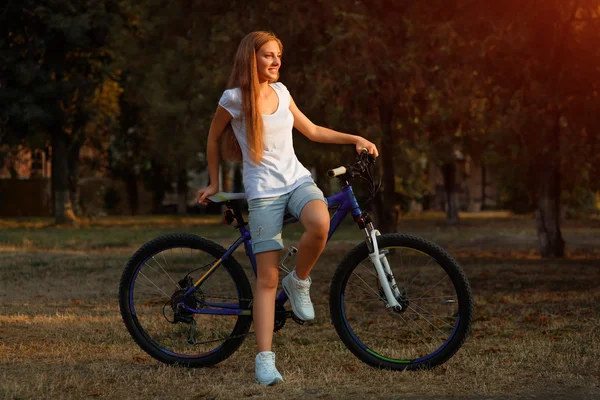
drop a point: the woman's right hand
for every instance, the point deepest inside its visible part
(205, 192)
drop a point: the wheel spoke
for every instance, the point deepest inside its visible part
(163, 323)
(370, 270)
(154, 284)
(362, 301)
(413, 331)
(430, 323)
(166, 273)
(368, 286)
(428, 297)
(415, 277)
(453, 298)
(432, 315)
(428, 290)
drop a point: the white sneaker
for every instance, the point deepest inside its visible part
(265, 372)
(298, 292)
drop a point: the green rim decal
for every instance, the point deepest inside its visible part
(388, 359)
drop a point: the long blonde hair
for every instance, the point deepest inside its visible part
(245, 76)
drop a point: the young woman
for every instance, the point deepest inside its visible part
(262, 114)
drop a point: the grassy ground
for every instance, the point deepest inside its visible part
(535, 333)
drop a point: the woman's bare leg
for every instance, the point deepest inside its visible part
(263, 310)
(315, 219)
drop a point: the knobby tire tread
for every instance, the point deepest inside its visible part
(458, 277)
(171, 241)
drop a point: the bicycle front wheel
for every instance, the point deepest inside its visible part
(151, 293)
(436, 299)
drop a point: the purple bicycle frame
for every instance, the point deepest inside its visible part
(344, 201)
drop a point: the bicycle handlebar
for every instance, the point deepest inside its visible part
(360, 169)
(362, 162)
(332, 173)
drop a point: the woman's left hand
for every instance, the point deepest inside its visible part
(363, 143)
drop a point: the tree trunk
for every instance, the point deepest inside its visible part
(158, 187)
(547, 215)
(227, 177)
(386, 200)
(63, 211)
(129, 118)
(449, 174)
(483, 184)
(238, 179)
(547, 220)
(132, 192)
(73, 150)
(182, 191)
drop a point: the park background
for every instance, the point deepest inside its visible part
(485, 114)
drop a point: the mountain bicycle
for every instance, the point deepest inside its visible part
(397, 301)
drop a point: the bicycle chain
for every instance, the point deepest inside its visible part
(279, 323)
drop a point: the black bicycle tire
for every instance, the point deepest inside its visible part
(235, 270)
(458, 277)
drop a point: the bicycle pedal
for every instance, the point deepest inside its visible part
(298, 320)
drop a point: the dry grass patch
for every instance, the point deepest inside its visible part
(535, 335)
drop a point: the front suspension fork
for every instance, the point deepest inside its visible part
(382, 266)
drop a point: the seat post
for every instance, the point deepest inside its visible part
(235, 206)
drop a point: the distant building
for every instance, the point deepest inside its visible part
(24, 163)
(475, 186)
(26, 186)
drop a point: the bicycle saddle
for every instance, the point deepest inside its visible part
(224, 196)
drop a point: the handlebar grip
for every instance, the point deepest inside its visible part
(336, 172)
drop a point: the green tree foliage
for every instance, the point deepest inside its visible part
(53, 58)
(176, 57)
(514, 85)
(354, 69)
(541, 58)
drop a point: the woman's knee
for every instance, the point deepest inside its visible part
(268, 277)
(315, 219)
(320, 228)
(268, 270)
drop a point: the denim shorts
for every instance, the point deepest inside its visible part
(266, 215)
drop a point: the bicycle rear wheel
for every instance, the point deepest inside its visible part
(154, 281)
(436, 299)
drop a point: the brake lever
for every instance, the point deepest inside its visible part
(364, 159)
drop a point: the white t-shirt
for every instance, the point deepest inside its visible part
(279, 171)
